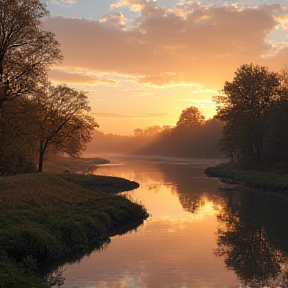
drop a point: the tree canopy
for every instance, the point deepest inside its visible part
(33, 114)
(244, 105)
(26, 50)
(63, 121)
(190, 116)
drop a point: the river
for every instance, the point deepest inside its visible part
(201, 233)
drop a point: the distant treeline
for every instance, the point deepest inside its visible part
(194, 141)
(192, 137)
(250, 127)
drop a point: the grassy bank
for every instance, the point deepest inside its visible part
(268, 181)
(56, 164)
(46, 215)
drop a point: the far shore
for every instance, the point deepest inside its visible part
(60, 164)
(273, 181)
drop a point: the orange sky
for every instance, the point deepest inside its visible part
(142, 62)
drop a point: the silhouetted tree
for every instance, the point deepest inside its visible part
(190, 116)
(26, 51)
(276, 136)
(63, 121)
(244, 106)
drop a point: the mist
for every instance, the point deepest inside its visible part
(196, 141)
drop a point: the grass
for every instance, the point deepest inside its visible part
(46, 215)
(100, 183)
(56, 164)
(261, 180)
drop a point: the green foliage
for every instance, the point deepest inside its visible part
(262, 180)
(29, 240)
(101, 183)
(44, 216)
(9, 273)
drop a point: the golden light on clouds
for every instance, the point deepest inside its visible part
(160, 54)
(135, 5)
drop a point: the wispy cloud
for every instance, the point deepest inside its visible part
(78, 77)
(114, 115)
(64, 2)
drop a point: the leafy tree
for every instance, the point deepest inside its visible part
(26, 51)
(244, 105)
(276, 137)
(57, 116)
(228, 144)
(190, 116)
(63, 121)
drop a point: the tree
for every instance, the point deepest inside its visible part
(63, 121)
(244, 105)
(276, 137)
(18, 145)
(190, 116)
(26, 51)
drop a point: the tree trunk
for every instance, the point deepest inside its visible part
(42, 148)
(2, 97)
(40, 161)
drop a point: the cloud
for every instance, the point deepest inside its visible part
(134, 5)
(78, 77)
(114, 115)
(115, 19)
(162, 79)
(206, 46)
(64, 2)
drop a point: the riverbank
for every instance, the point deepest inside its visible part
(46, 215)
(260, 180)
(57, 164)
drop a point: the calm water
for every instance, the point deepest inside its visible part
(196, 235)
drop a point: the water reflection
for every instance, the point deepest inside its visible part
(247, 241)
(53, 272)
(173, 248)
(191, 221)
